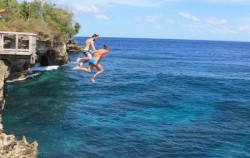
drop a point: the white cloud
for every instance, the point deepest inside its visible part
(87, 9)
(189, 17)
(244, 28)
(210, 20)
(229, 1)
(130, 3)
(211, 24)
(101, 16)
(91, 9)
(151, 18)
(154, 19)
(215, 21)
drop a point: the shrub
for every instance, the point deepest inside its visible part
(38, 16)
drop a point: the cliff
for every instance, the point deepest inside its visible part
(9, 145)
(49, 52)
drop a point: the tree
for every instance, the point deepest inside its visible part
(38, 16)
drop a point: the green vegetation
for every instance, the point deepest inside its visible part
(40, 17)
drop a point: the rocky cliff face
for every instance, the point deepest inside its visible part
(52, 53)
(4, 73)
(9, 145)
(74, 47)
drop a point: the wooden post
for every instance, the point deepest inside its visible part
(16, 43)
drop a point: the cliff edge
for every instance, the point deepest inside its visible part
(10, 147)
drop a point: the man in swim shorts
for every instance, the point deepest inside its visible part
(94, 62)
(89, 45)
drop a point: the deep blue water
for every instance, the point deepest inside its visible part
(156, 98)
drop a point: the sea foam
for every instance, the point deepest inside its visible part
(38, 67)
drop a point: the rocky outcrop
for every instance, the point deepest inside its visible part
(73, 46)
(4, 73)
(10, 147)
(19, 67)
(52, 53)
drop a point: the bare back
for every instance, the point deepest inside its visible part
(99, 53)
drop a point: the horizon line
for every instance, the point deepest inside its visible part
(218, 40)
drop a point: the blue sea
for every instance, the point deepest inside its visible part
(156, 98)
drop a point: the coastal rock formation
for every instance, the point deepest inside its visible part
(10, 147)
(4, 73)
(19, 67)
(73, 46)
(52, 53)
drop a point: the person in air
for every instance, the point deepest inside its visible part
(94, 62)
(90, 46)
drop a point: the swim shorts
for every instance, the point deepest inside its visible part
(92, 61)
(87, 54)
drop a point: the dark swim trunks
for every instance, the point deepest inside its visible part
(87, 53)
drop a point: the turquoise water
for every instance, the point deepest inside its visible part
(156, 98)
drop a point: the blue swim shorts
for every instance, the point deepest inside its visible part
(92, 61)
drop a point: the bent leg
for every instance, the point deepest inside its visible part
(84, 58)
(100, 70)
(89, 69)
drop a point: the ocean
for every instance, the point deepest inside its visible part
(156, 98)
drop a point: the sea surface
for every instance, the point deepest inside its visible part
(156, 98)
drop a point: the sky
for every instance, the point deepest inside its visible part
(165, 19)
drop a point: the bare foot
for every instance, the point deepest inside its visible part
(76, 68)
(78, 60)
(93, 80)
(80, 65)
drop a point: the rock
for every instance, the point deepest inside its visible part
(73, 46)
(50, 53)
(4, 73)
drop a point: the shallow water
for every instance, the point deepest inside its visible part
(156, 98)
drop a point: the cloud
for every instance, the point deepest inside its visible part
(229, 1)
(132, 3)
(150, 18)
(126, 3)
(91, 9)
(244, 28)
(211, 25)
(215, 21)
(101, 16)
(189, 17)
(87, 9)
(154, 19)
(209, 20)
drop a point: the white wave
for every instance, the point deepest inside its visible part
(38, 67)
(22, 79)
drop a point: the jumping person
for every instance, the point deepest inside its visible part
(89, 45)
(94, 62)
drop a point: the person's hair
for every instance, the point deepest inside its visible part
(105, 46)
(95, 35)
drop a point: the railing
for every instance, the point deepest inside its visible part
(17, 43)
